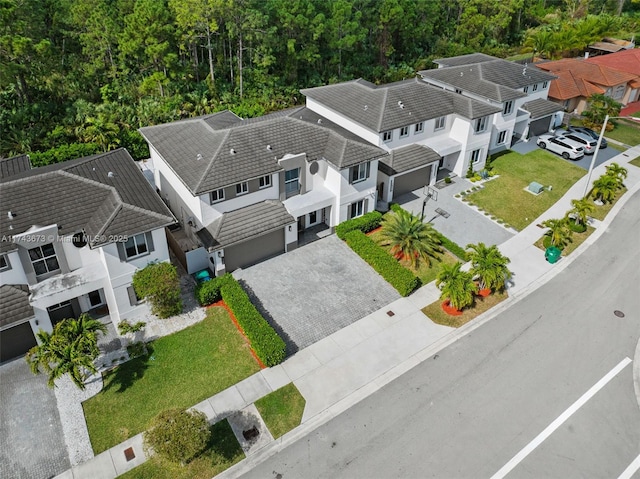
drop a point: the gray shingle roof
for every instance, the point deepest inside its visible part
(498, 80)
(81, 195)
(246, 223)
(540, 108)
(14, 304)
(464, 60)
(407, 158)
(13, 166)
(206, 159)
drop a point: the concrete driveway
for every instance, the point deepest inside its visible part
(315, 290)
(604, 154)
(31, 442)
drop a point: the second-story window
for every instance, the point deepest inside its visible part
(242, 188)
(291, 181)
(535, 87)
(481, 124)
(544, 85)
(404, 131)
(136, 246)
(387, 136)
(360, 172)
(265, 181)
(44, 259)
(216, 196)
(526, 89)
(508, 107)
(419, 128)
(5, 265)
(440, 123)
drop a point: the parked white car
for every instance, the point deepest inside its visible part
(568, 149)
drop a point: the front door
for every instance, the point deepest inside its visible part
(60, 311)
(300, 223)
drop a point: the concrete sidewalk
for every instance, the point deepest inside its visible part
(344, 368)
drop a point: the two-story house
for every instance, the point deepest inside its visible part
(242, 189)
(520, 91)
(73, 235)
(423, 127)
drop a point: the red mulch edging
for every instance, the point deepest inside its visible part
(374, 231)
(222, 304)
(450, 310)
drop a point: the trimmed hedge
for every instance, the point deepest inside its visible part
(388, 267)
(209, 292)
(364, 223)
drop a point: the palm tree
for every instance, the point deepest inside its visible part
(410, 238)
(489, 265)
(618, 172)
(580, 211)
(457, 286)
(599, 107)
(70, 349)
(605, 188)
(559, 232)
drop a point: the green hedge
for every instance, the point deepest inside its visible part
(63, 153)
(209, 292)
(364, 223)
(386, 265)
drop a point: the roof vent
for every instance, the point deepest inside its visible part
(11, 214)
(461, 74)
(232, 151)
(366, 107)
(111, 174)
(524, 70)
(10, 227)
(319, 121)
(198, 157)
(400, 104)
(269, 147)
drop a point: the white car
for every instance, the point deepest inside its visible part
(569, 149)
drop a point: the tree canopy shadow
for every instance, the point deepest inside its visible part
(123, 376)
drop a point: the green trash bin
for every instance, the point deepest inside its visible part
(552, 254)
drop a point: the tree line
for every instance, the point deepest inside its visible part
(80, 76)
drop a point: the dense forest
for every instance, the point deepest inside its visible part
(81, 76)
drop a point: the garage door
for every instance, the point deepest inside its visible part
(413, 180)
(16, 341)
(540, 126)
(255, 250)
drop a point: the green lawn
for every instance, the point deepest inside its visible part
(627, 132)
(282, 409)
(222, 453)
(505, 197)
(435, 313)
(576, 240)
(635, 162)
(182, 370)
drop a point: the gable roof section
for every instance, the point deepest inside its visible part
(464, 60)
(79, 195)
(14, 165)
(626, 61)
(386, 107)
(14, 304)
(567, 86)
(249, 149)
(540, 108)
(407, 158)
(593, 73)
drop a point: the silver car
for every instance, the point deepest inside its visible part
(568, 149)
(587, 142)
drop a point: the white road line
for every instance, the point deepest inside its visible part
(632, 469)
(560, 420)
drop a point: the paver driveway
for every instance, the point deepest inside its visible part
(315, 290)
(31, 442)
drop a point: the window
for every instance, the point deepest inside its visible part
(404, 131)
(44, 259)
(526, 89)
(357, 209)
(440, 123)
(265, 181)
(535, 87)
(544, 85)
(419, 128)
(134, 299)
(618, 92)
(387, 136)
(475, 156)
(459, 91)
(502, 137)
(508, 108)
(313, 217)
(481, 124)
(291, 185)
(215, 196)
(242, 188)
(95, 298)
(136, 246)
(360, 172)
(5, 265)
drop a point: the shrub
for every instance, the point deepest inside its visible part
(208, 292)
(364, 223)
(178, 435)
(125, 327)
(576, 227)
(159, 283)
(265, 342)
(453, 247)
(136, 349)
(63, 153)
(403, 280)
(447, 180)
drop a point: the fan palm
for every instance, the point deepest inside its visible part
(456, 285)
(410, 238)
(70, 349)
(559, 232)
(618, 172)
(605, 188)
(580, 211)
(489, 265)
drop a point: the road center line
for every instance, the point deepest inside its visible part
(631, 470)
(525, 451)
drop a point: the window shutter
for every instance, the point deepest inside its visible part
(352, 174)
(133, 299)
(149, 238)
(350, 211)
(368, 168)
(365, 206)
(121, 252)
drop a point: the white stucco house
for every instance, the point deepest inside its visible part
(73, 235)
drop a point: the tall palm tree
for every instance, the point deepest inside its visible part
(70, 349)
(410, 238)
(605, 188)
(456, 285)
(580, 211)
(618, 172)
(559, 232)
(489, 265)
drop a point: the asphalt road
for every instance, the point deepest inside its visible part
(475, 406)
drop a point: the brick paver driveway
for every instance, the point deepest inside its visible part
(31, 441)
(315, 290)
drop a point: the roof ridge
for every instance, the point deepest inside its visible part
(86, 180)
(227, 133)
(384, 107)
(110, 220)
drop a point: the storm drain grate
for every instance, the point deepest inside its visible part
(390, 313)
(618, 313)
(129, 454)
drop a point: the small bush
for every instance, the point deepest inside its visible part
(125, 327)
(447, 180)
(453, 247)
(364, 223)
(403, 280)
(136, 349)
(208, 292)
(159, 283)
(178, 435)
(576, 227)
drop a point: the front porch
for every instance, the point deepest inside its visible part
(313, 233)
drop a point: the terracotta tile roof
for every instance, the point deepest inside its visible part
(626, 61)
(593, 73)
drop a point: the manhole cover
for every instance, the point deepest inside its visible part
(619, 314)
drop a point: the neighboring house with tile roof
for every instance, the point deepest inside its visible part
(73, 235)
(626, 61)
(424, 128)
(243, 189)
(578, 79)
(503, 84)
